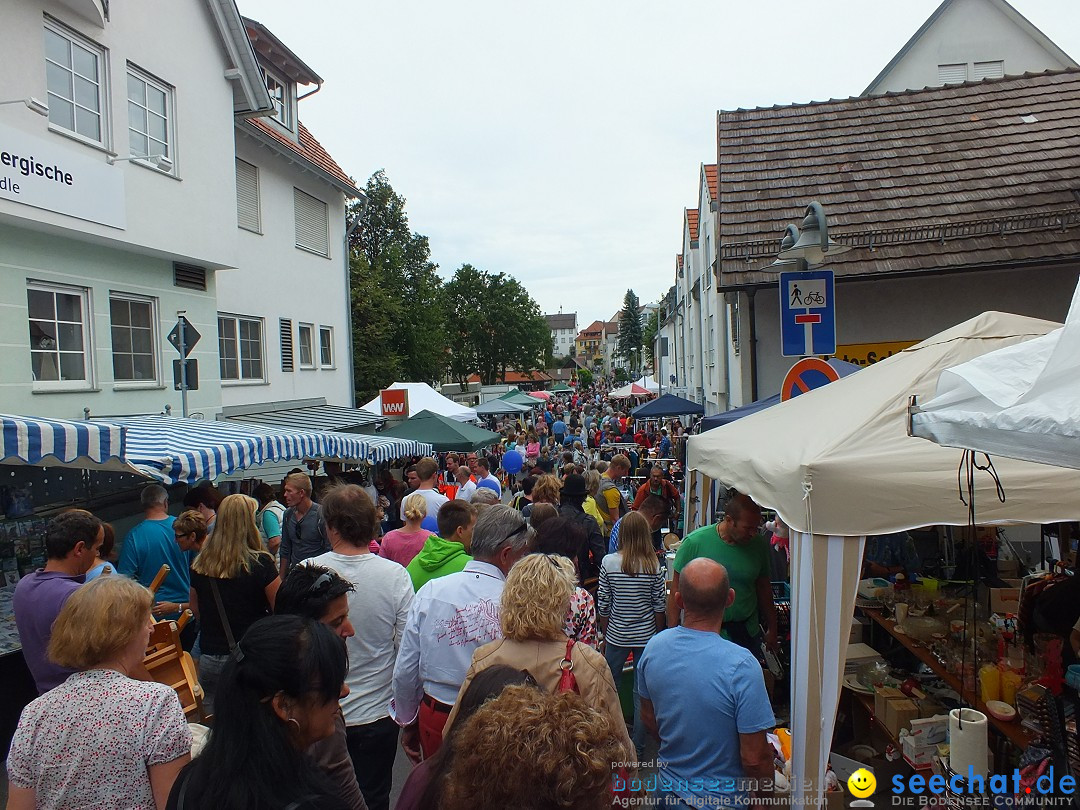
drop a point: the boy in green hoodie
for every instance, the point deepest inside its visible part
(448, 551)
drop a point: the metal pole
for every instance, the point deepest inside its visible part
(181, 322)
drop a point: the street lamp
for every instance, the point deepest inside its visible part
(32, 104)
(812, 243)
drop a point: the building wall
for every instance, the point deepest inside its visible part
(275, 279)
(914, 308)
(968, 31)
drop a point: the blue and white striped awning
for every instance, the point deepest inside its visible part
(55, 442)
(177, 450)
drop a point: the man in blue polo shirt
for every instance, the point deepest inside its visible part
(152, 544)
(704, 699)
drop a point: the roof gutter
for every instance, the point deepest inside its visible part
(238, 47)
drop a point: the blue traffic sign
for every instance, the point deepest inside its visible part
(807, 313)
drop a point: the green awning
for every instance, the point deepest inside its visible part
(560, 388)
(443, 434)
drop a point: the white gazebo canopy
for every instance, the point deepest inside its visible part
(422, 397)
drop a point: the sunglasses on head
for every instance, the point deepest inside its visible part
(321, 582)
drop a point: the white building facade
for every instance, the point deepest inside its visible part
(564, 330)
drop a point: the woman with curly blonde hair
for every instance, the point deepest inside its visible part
(233, 584)
(535, 602)
(534, 751)
(545, 490)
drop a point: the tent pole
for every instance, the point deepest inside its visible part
(753, 344)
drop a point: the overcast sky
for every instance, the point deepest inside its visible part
(561, 142)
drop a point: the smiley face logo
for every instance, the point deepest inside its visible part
(862, 783)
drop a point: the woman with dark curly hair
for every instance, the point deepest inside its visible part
(533, 751)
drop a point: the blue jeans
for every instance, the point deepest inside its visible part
(616, 658)
(210, 667)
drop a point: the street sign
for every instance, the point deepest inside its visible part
(191, 336)
(192, 375)
(807, 313)
(805, 375)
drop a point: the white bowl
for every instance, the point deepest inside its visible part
(1001, 710)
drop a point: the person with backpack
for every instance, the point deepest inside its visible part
(269, 516)
(612, 503)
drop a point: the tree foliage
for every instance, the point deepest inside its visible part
(397, 294)
(631, 336)
(584, 378)
(494, 325)
(652, 327)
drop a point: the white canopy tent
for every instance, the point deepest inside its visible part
(649, 384)
(1022, 401)
(422, 397)
(837, 464)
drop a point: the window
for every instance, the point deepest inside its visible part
(285, 329)
(311, 223)
(989, 70)
(247, 197)
(134, 355)
(240, 348)
(952, 74)
(59, 336)
(326, 346)
(75, 77)
(281, 95)
(304, 334)
(150, 116)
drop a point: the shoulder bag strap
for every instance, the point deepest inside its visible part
(221, 614)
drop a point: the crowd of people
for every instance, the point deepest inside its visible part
(477, 613)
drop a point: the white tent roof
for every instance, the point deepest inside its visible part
(838, 460)
(649, 384)
(422, 397)
(1022, 401)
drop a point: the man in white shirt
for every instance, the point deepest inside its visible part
(427, 470)
(449, 618)
(378, 608)
(482, 471)
(466, 486)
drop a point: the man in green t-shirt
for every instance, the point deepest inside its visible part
(737, 544)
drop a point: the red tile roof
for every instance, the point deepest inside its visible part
(710, 178)
(308, 148)
(517, 377)
(692, 222)
(678, 261)
(594, 328)
(965, 176)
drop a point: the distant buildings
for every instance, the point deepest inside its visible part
(564, 331)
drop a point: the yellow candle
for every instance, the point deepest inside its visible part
(990, 682)
(1010, 683)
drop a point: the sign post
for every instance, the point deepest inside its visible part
(183, 337)
(807, 313)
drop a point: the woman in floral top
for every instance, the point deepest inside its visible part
(100, 739)
(564, 537)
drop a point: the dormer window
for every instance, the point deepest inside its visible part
(281, 92)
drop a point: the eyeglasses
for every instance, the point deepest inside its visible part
(516, 532)
(324, 579)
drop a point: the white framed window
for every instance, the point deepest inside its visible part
(240, 348)
(150, 117)
(248, 215)
(59, 321)
(312, 223)
(326, 346)
(75, 76)
(132, 322)
(305, 334)
(281, 94)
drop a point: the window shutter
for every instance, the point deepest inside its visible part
(286, 344)
(989, 70)
(952, 74)
(311, 223)
(247, 196)
(189, 276)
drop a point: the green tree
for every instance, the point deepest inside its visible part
(652, 327)
(584, 377)
(631, 337)
(494, 325)
(622, 375)
(397, 295)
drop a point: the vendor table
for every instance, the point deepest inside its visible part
(1013, 731)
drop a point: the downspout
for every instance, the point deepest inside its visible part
(753, 344)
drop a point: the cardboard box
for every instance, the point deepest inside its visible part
(857, 633)
(881, 699)
(929, 730)
(1008, 568)
(1006, 600)
(898, 716)
(919, 757)
(857, 655)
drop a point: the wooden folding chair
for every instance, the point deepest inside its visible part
(167, 662)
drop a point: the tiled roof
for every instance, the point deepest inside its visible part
(710, 178)
(593, 329)
(692, 222)
(517, 377)
(678, 261)
(561, 320)
(308, 148)
(970, 175)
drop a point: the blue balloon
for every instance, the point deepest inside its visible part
(512, 461)
(430, 523)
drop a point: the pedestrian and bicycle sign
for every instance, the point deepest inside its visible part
(807, 313)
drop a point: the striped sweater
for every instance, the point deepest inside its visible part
(629, 602)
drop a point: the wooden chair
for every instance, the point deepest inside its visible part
(167, 662)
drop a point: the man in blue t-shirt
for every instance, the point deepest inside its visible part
(152, 544)
(704, 699)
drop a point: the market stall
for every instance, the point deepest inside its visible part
(443, 434)
(665, 406)
(422, 397)
(836, 465)
(631, 391)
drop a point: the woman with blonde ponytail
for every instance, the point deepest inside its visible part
(401, 545)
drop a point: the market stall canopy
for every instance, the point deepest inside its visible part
(497, 407)
(1021, 401)
(422, 397)
(307, 415)
(443, 434)
(176, 450)
(86, 445)
(628, 391)
(667, 405)
(838, 461)
(519, 397)
(649, 384)
(544, 395)
(561, 388)
(716, 420)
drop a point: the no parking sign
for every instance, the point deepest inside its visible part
(805, 375)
